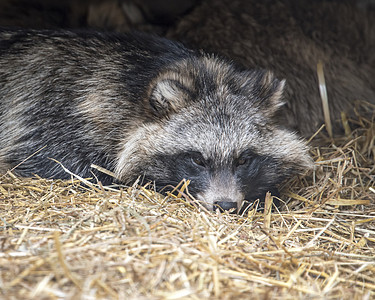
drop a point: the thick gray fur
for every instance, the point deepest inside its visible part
(140, 105)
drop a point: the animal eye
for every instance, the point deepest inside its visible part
(242, 161)
(198, 161)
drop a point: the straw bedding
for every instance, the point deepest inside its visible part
(79, 240)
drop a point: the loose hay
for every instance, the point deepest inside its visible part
(63, 239)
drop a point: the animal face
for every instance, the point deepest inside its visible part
(214, 126)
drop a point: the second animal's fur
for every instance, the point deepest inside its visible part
(289, 37)
(140, 105)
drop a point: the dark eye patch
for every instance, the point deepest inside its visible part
(258, 175)
(171, 169)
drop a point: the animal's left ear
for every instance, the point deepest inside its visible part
(267, 91)
(169, 93)
(270, 93)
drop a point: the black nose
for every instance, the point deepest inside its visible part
(226, 205)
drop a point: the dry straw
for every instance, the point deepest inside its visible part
(73, 240)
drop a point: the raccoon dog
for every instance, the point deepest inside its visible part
(142, 105)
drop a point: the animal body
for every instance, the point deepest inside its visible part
(141, 105)
(290, 37)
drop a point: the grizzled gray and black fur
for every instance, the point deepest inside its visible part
(142, 106)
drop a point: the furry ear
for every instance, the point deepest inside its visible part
(270, 93)
(169, 93)
(267, 91)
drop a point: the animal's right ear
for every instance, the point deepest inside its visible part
(169, 94)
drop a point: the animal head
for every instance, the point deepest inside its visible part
(215, 125)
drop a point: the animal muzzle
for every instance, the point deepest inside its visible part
(223, 193)
(226, 204)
